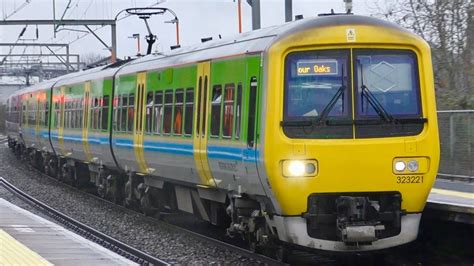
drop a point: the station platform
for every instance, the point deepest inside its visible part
(27, 239)
(452, 200)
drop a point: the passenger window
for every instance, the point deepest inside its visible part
(131, 112)
(158, 112)
(96, 116)
(178, 112)
(228, 110)
(123, 115)
(149, 112)
(168, 111)
(216, 110)
(238, 111)
(188, 112)
(46, 114)
(116, 113)
(105, 112)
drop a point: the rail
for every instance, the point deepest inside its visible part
(108, 242)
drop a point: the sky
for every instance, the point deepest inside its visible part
(198, 19)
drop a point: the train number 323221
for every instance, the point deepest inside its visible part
(410, 179)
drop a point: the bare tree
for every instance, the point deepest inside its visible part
(448, 27)
(91, 58)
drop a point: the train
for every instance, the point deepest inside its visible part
(320, 133)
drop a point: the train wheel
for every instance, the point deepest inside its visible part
(145, 205)
(282, 253)
(253, 244)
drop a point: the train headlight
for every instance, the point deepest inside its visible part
(296, 168)
(400, 166)
(411, 165)
(299, 168)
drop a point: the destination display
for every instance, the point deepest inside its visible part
(321, 67)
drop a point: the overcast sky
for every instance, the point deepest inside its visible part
(198, 19)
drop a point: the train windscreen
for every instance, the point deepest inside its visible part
(320, 93)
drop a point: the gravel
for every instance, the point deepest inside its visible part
(157, 239)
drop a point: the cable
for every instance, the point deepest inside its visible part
(27, 2)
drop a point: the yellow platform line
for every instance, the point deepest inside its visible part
(466, 195)
(13, 252)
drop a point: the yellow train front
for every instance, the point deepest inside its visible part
(349, 133)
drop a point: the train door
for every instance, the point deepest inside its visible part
(201, 124)
(85, 121)
(139, 122)
(251, 119)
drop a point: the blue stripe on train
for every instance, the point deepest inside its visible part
(183, 149)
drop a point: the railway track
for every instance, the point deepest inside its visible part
(117, 246)
(85, 231)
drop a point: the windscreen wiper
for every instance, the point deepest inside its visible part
(330, 105)
(340, 93)
(372, 100)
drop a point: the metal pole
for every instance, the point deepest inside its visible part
(54, 18)
(113, 56)
(239, 14)
(288, 10)
(255, 4)
(348, 5)
(138, 44)
(67, 59)
(177, 31)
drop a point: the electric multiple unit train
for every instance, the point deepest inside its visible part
(319, 133)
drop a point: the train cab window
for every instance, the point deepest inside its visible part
(238, 111)
(105, 113)
(188, 112)
(168, 112)
(158, 112)
(228, 110)
(149, 112)
(131, 112)
(318, 93)
(216, 110)
(386, 88)
(178, 112)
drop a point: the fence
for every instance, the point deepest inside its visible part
(456, 129)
